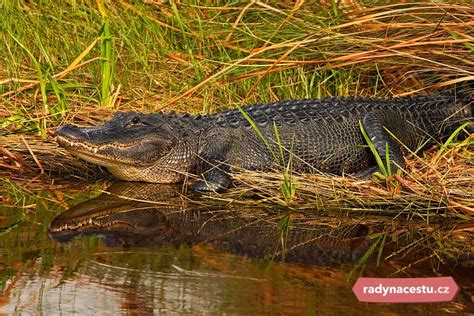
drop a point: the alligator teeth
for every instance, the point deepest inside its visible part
(90, 148)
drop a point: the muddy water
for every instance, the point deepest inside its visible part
(143, 250)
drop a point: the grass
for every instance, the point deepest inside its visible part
(383, 164)
(80, 62)
(202, 59)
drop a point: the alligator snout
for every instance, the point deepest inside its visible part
(70, 131)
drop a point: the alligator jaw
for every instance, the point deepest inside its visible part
(120, 167)
(93, 153)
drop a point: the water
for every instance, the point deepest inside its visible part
(116, 255)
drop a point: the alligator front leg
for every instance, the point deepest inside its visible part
(376, 124)
(214, 168)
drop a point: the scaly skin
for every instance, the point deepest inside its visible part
(318, 135)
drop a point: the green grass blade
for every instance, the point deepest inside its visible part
(380, 253)
(59, 92)
(363, 260)
(378, 159)
(106, 67)
(44, 98)
(259, 133)
(387, 160)
(450, 139)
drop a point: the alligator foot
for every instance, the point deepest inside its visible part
(214, 180)
(206, 187)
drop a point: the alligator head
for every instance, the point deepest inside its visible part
(135, 146)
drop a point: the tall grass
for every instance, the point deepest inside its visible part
(106, 64)
(202, 58)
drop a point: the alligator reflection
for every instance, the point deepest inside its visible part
(144, 214)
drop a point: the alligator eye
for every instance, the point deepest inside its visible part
(134, 122)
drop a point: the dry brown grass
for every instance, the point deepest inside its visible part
(430, 185)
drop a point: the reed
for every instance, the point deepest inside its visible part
(201, 58)
(61, 63)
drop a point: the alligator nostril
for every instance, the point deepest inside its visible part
(69, 131)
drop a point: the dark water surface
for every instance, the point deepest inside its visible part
(118, 253)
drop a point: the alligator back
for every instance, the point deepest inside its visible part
(428, 111)
(325, 134)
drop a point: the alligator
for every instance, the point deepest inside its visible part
(313, 135)
(135, 214)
